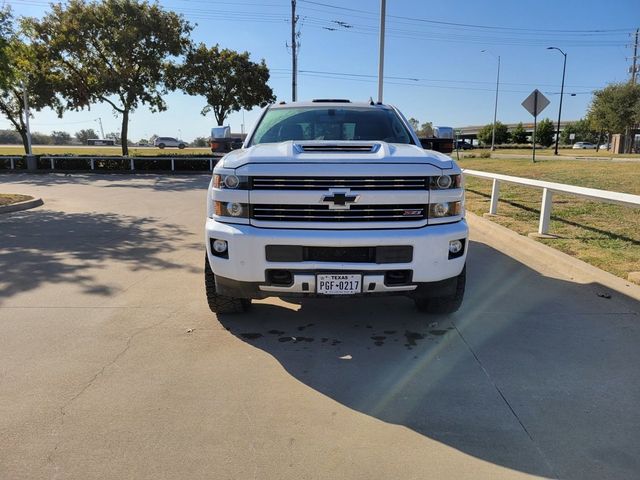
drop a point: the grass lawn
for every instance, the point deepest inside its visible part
(9, 198)
(106, 151)
(604, 235)
(567, 152)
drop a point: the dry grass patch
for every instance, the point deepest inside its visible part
(10, 198)
(604, 235)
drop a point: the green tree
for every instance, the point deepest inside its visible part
(519, 134)
(227, 79)
(6, 31)
(486, 134)
(85, 134)
(415, 124)
(60, 138)
(425, 130)
(38, 138)
(615, 109)
(200, 142)
(545, 132)
(9, 137)
(582, 130)
(113, 51)
(116, 137)
(23, 69)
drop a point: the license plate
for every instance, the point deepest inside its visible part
(338, 284)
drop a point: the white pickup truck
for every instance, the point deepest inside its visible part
(333, 198)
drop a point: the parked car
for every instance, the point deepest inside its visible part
(163, 142)
(463, 145)
(583, 146)
(604, 146)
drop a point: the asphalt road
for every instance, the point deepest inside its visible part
(112, 367)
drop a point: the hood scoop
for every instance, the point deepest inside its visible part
(336, 147)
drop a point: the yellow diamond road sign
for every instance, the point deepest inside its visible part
(535, 103)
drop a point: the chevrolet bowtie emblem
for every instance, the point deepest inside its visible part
(340, 200)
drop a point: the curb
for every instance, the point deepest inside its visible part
(26, 205)
(545, 258)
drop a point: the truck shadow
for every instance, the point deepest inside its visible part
(534, 373)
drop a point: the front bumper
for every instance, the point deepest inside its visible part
(247, 261)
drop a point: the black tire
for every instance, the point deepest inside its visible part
(161, 146)
(220, 303)
(181, 146)
(443, 305)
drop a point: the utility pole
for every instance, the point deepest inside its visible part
(635, 58)
(99, 120)
(294, 53)
(26, 116)
(383, 13)
(564, 68)
(495, 108)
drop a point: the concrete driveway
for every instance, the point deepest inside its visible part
(112, 367)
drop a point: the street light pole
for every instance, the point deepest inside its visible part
(383, 9)
(495, 108)
(564, 68)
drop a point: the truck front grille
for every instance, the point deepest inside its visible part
(322, 213)
(380, 254)
(324, 183)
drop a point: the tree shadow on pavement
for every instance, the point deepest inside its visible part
(56, 247)
(534, 373)
(166, 182)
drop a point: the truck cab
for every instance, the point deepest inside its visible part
(331, 199)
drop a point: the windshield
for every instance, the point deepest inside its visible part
(330, 123)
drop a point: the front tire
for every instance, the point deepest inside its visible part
(161, 146)
(221, 303)
(181, 146)
(444, 305)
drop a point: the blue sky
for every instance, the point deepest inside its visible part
(435, 71)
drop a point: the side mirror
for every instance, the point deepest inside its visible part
(442, 145)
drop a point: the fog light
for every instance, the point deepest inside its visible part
(455, 246)
(234, 209)
(220, 246)
(444, 182)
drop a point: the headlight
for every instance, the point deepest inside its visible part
(445, 209)
(230, 181)
(444, 182)
(231, 209)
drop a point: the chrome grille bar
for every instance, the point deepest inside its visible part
(324, 183)
(322, 213)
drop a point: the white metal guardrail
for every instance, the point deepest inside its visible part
(548, 189)
(91, 161)
(12, 161)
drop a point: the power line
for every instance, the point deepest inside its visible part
(416, 79)
(421, 85)
(463, 38)
(488, 27)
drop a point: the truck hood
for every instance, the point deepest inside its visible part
(335, 152)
